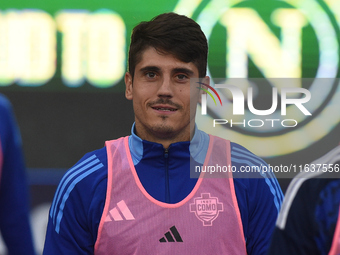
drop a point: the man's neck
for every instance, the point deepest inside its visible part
(166, 139)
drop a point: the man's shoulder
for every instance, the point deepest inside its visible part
(90, 170)
(238, 147)
(100, 154)
(238, 150)
(242, 156)
(251, 175)
(92, 158)
(82, 185)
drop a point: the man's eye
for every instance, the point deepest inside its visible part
(150, 75)
(182, 76)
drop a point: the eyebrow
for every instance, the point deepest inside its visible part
(175, 70)
(183, 70)
(149, 68)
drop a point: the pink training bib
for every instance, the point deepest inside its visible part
(207, 221)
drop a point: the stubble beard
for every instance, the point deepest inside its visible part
(163, 130)
(157, 132)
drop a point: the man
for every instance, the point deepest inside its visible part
(135, 195)
(14, 206)
(309, 221)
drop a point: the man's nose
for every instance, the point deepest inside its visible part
(165, 88)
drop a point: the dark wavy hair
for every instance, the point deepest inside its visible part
(170, 33)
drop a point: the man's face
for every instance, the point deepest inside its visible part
(161, 96)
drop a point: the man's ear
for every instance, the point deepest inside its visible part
(205, 80)
(128, 86)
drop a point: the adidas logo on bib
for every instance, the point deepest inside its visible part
(120, 212)
(171, 236)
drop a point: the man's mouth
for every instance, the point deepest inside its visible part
(164, 109)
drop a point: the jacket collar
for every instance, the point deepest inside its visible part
(198, 145)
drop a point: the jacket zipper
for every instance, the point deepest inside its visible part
(167, 188)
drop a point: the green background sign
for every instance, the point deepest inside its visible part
(82, 45)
